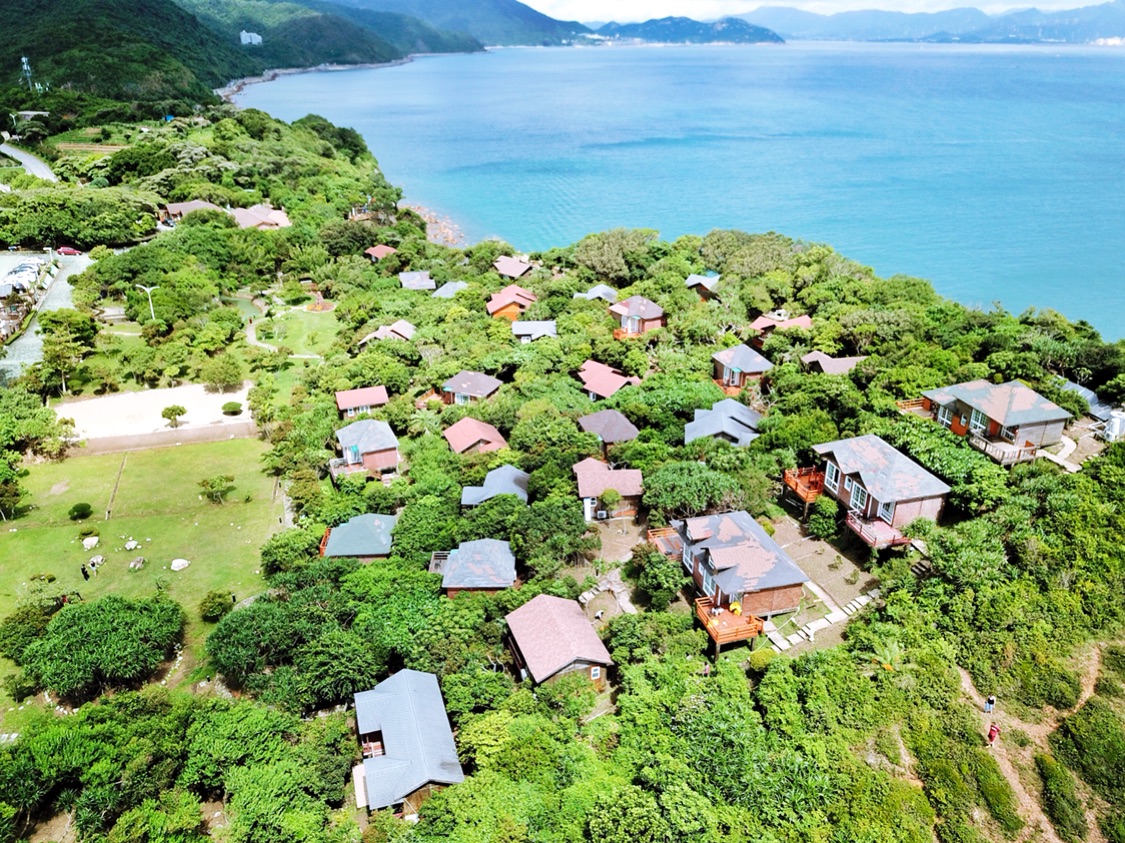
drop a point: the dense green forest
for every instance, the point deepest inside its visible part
(867, 739)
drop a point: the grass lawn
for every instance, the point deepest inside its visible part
(303, 332)
(158, 504)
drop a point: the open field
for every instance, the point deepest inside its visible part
(157, 503)
(301, 331)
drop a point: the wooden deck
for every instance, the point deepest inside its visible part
(667, 540)
(724, 626)
(1004, 452)
(729, 390)
(875, 532)
(625, 334)
(806, 483)
(338, 468)
(914, 407)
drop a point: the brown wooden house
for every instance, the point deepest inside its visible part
(484, 565)
(738, 367)
(637, 316)
(368, 446)
(510, 303)
(882, 489)
(595, 478)
(550, 637)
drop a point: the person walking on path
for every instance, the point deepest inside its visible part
(85, 573)
(993, 732)
(989, 704)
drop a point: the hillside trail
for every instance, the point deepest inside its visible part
(1038, 826)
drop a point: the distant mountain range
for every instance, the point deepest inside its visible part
(1076, 26)
(687, 31)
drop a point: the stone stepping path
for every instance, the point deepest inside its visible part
(835, 615)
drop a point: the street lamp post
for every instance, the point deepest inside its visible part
(148, 290)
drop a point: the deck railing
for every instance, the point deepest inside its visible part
(667, 539)
(1003, 452)
(625, 333)
(883, 536)
(806, 483)
(730, 390)
(725, 626)
(437, 561)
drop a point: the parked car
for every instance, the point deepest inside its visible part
(68, 250)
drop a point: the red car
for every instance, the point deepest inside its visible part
(68, 250)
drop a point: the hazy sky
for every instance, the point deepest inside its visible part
(636, 10)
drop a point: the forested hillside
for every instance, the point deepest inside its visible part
(869, 731)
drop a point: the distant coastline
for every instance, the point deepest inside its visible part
(237, 86)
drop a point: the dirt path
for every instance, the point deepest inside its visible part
(1038, 826)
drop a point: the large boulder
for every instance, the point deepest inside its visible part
(137, 563)
(89, 543)
(179, 564)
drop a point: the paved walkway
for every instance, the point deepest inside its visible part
(836, 614)
(1069, 446)
(31, 163)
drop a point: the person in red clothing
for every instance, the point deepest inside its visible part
(993, 732)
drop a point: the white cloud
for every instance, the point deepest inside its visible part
(625, 11)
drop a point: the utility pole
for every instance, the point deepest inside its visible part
(148, 290)
(25, 67)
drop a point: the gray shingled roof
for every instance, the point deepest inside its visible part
(1099, 409)
(599, 291)
(729, 418)
(535, 330)
(505, 480)
(1011, 404)
(610, 426)
(888, 475)
(485, 563)
(742, 553)
(449, 289)
(416, 281)
(707, 282)
(639, 307)
(743, 358)
(367, 436)
(476, 384)
(364, 535)
(408, 709)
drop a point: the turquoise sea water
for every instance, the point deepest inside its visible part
(996, 172)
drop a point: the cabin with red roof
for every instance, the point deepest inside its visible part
(550, 637)
(595, 478)
(354, 402)
(767, 323)
(510, 303)
(602, 381)
(472, 436)
(637, 316)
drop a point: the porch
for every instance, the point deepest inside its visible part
(914, 407)
(875, 532)
(339, 467)
(806, 483)
(667, 540)
(1001, 450)
(626, 333)
(437, 561)
(729, 390)
(723, 625)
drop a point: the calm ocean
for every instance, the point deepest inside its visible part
(996, 172)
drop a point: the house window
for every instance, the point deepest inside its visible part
(832, 476)
(351, 412)
(1008, 434)
(633, 324)
(595, 673)
(708, 580)
(887, 511)
(978, 422)
(459, 398)
(945, 416)
(847, 484)
(859, 497)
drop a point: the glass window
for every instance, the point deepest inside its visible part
(847, 484)
(887, 512)
(595, 673)
(978, 421)
(859, 497)
(832, 476)
(945, 416)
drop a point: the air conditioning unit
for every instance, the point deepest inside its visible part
(602, 515)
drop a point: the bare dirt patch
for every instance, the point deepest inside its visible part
(59, 488)
(834, 570)
(138, 413)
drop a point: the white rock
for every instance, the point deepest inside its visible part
(90, 542)
(179, 564)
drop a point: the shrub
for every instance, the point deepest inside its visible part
(232, 408)
(1060, 800)
(997, 793)
(214, 605)
(80, 512)
(1091, 742)
(822, 518)
(88, 531)
(1113, 827)
(760, 659)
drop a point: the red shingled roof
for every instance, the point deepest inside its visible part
(468, 432)
(512, 294)
(380, 252)
(603, 380)
(552, 633)
(368, 396)
(511, 267)
(596, 477)
(763, 322)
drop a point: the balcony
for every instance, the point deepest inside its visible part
(723, 625)
(875, 532)
(437, 561)
(806, 483)
(914, 407)
(667, 540)
(1004, 452)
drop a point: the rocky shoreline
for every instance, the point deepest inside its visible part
(237, 86)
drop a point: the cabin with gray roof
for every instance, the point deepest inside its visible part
(610, 426)
(550, 637)
(599, 291)
(1100, 409)
(466, 386)
(706, 286)
(367, 446)
(449, 289)
(736, 565)
(486, 565)
(818, 361)
(729, 420)
(637, 315)
(406, 743)
(882, 489)
(505, 480)
(1008, 421)
(739, 366)
(417, 281)
(527, 332)
(365, 537)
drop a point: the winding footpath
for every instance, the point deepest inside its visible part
(31, 164)
(1037, 825)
